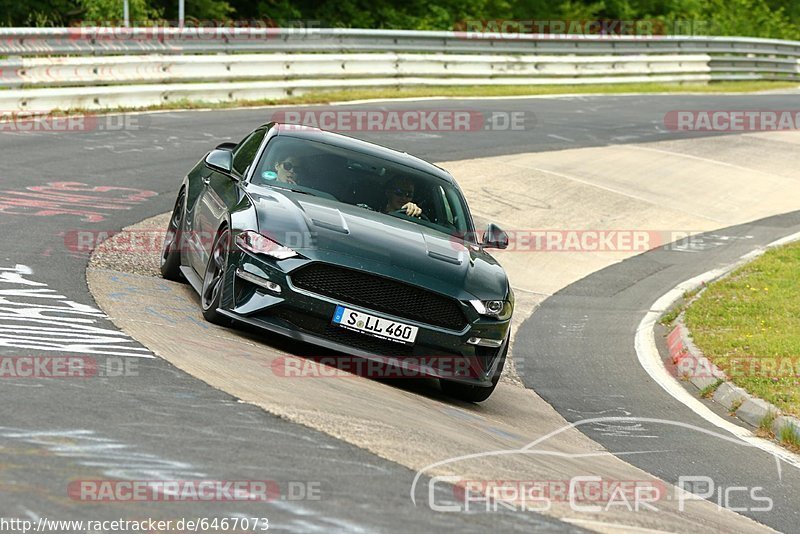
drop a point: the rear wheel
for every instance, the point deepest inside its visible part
(469, 393)
(173, 242)
(214, 280)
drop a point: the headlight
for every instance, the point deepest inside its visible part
(260, 244)
(492, 308)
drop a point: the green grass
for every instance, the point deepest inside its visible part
(532, 90)
(766, 422)
(789, 439)
(668, 318)
(748, 324)
(689, 295)
(735, 405)
(477, 91)
(764, 429)
(709, 390)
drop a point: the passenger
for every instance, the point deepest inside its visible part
(289, 170)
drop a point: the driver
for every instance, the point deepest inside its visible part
(399, 193)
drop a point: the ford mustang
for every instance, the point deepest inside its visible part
(349, 246)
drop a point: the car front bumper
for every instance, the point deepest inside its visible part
(264, 296)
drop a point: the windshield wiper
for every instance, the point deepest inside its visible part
(301, 191)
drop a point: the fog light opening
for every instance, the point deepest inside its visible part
(494, 343)
(264, 283)
(272, 286)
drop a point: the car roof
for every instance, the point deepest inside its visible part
(358, 145)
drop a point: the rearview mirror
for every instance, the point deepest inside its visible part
(220, 160)
(495, 237)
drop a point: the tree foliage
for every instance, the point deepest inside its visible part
(105, 12)
(756, 18)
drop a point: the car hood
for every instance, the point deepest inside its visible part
(330, 231)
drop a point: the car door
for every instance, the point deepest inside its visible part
(219, 195)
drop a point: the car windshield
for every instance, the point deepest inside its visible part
(362, 180)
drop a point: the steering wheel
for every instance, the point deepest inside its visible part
(402, 213)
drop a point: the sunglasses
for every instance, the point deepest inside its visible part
(403, 193)
(288, 165)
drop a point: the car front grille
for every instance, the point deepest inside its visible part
(380, 294)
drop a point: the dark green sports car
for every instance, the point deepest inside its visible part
(347, 245)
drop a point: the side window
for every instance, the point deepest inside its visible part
(246, 151)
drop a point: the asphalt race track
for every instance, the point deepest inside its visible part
(159, 423)
(588, 328)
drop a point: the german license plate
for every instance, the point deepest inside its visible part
(374, 326)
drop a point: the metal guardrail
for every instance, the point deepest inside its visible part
(101, 41)
(73, 71)
(47, 68)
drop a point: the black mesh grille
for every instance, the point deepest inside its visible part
(380, 294)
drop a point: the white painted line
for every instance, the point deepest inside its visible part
(560, 138)
(697, 158)
(616, 191)
(35, 317)
(650, 359)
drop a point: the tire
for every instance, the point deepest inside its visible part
(215, 277)
(468, 393)
(173, 242)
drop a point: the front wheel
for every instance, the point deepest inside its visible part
(469, 393)
(214, 280)
(173, 242)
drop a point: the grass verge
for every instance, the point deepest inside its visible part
(708, 391)
(476, 91)
(533, 90)
(748, 324)
(764, 429)
(789, 439)
(669, 318)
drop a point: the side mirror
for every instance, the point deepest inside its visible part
(495, 237)
(220, 160)
(226, 146)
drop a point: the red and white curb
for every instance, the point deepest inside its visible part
(650, 358)
(692, 365)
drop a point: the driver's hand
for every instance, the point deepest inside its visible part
(412, 210)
